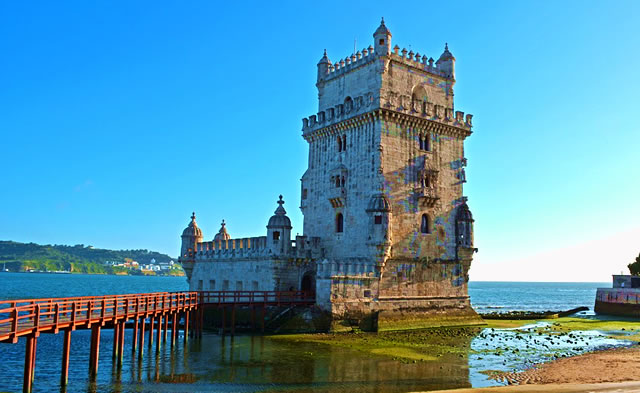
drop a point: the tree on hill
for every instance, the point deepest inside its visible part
(634, 267)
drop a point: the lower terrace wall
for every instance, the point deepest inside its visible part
(248, 275)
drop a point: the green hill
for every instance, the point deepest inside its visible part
(18, 257)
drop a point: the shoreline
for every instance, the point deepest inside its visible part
(609, 370)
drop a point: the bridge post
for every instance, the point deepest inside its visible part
(224, 317)
(166, 327)
(201, 327)
(142, 326)
(152, 321)
(253, 318)
(120, 342)
(159, 333)
(264, 309)
(233, 319)
(94, 353)
(186, 326)
(174, 327)
(29, 363)
(116, 336)
(134, 338)
(64, 377)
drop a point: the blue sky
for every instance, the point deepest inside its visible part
(117, 119)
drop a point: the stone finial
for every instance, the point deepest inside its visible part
(424, 59)
(193, 217)
(410, 55)
(365, 52)
(404, 52)
(431, 62)
(417, 57)
(396, 49)
(359, 55)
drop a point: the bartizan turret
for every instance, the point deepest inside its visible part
(382, 39)
(323, 66)
(279, 231)
(191, 236)
(446, 63)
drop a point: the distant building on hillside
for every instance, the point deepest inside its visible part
(387, 230)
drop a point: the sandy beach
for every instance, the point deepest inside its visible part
(615, 370)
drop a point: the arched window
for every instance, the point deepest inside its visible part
(339, 144)
(419, 99)
(426, 143)
(348, 104)
(342, 181)
(339, 223)
(420, 142)
(344, 142)
(425, 225)
(337, 181)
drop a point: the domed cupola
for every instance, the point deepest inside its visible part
(379, 203)
(191, 236)
(279, 219)
(192, 229)
(279, 231)
(222, 233)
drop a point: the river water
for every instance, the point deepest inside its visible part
(265, 364)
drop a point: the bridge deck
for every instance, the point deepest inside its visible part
(33, 316)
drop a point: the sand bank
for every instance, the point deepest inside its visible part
(615, 370)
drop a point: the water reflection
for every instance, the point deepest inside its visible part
(266, 364)
(256, 363)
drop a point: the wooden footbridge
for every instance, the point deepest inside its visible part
(163, 312)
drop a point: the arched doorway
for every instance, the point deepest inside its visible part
(308, 282)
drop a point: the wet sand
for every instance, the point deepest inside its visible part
(615, 370)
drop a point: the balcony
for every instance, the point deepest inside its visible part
(427, 196)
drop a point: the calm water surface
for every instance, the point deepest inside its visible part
(263, 364)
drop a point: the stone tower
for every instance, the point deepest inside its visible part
(384, 185)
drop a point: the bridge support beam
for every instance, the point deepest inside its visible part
(134, 338)
(159, 333)
(233, 319)
(29, 363)
(143, 323)
(94, 352)
(186, 326)
(174, 328)
(116, 336)
(152, 321)
(166, 327)
(120, 343)
(66, 346)
(224, 317)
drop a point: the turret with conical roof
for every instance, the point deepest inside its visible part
(382, 40)
(446, 62)
(279, 230)
(191, 236)
(323, 66)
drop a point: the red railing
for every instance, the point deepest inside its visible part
(23, 317)
(256, 297)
